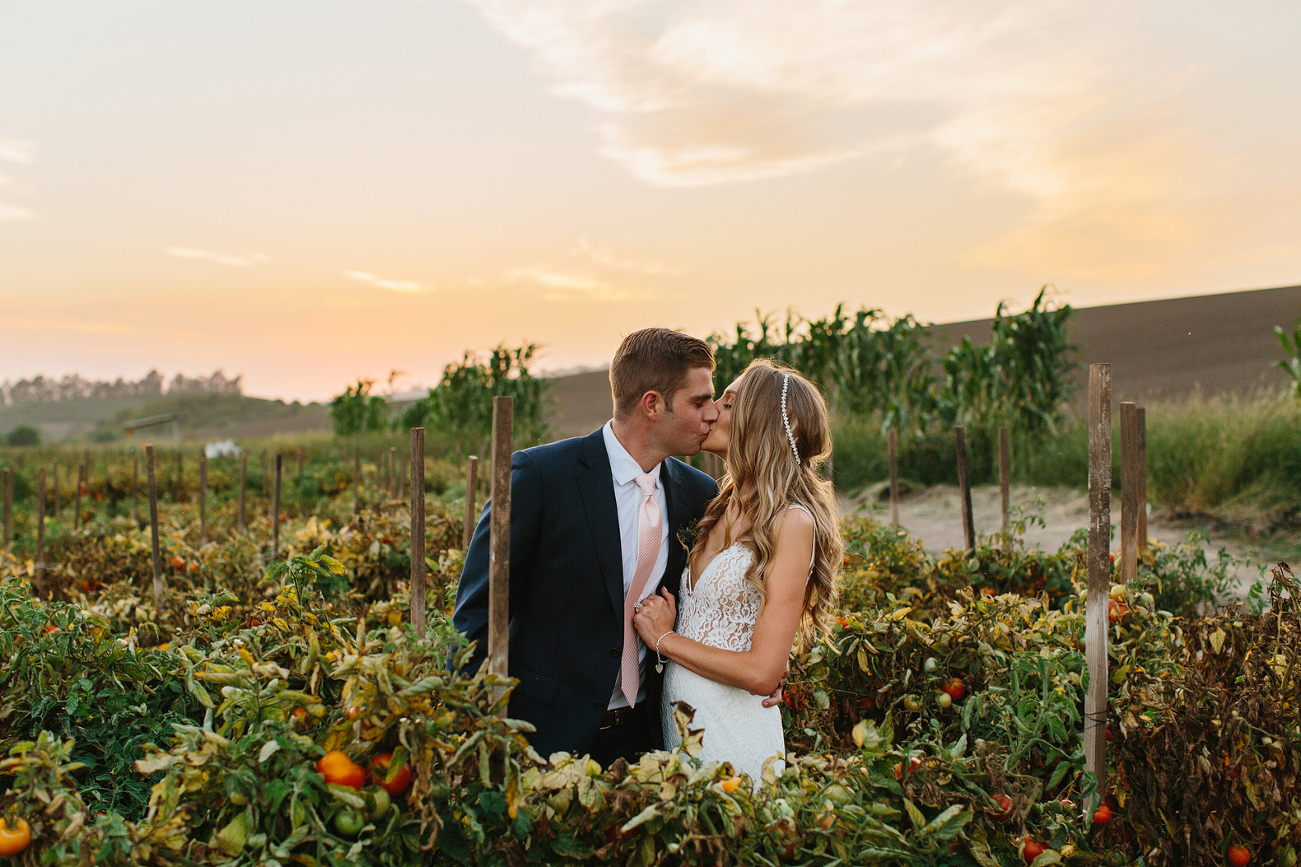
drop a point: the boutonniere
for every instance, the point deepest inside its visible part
(687, 534)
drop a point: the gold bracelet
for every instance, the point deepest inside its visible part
(659, 665)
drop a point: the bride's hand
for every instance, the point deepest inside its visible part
(654, 616)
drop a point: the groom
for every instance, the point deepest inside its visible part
(595, 525)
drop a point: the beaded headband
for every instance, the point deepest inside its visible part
(786, 422)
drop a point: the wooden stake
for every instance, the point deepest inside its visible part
(892, 451)
(1099, 582)
(964, 488)
(180, 473)
(243, 482)
(135, 488)
(1005, 482)
(9, 508)
(76, 499)
(38, 580)
(356, 479)
(393, 472)
(404, 478)
(203, 498)
(265, 486)
(56, 488)
(418, 530)
(1142, 478)
(153, 526)
(503, 411)
(275, 514)
(1129, 473)
(471, 490)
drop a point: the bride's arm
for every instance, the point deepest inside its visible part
(760, 669)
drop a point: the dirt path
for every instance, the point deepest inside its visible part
(934, 516)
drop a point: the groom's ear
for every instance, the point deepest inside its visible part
(652, 404)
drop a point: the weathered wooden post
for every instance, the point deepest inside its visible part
(76, 499)
(418, 530)
(265, 487)
(275, 513)
(135, 487)
(1142, 478)
(153, 526)
(471, 485)
(243, 483)
(203, 498)
(503, 412)
(892, 450)
(9, 508)
(1005, 483)
(38, 579)
(964, 487)
(393, 472)
(1130, 470)
(356, 479)
(1099, 582)
(56, 489)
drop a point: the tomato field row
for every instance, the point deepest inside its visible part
(270, 712)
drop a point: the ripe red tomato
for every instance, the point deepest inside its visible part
(1031, 849)
(379, 766)
(955, 689)
(1004, 811)
(1239, 856)
(337, 768)
(1116, 611)
(178, 563)
(1102, 815)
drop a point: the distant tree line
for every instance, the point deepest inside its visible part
(39, 389)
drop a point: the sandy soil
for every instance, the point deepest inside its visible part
(934, 516)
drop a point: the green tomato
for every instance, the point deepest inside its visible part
(378, 802)
(348, 822)
(944, 700)
(930, 665)
(911, 703)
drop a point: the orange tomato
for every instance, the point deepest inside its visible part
(178, 563)
(1102, 815)
(14, 838)
(913, 764)
(1239, 856)
(336, 767)
(379, 766)
(730, 785)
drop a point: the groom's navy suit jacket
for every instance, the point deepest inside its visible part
(566, 587)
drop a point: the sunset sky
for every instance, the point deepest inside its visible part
(308, 192)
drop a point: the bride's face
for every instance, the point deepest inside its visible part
(721, 433)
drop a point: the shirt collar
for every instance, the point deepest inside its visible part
(622, 465)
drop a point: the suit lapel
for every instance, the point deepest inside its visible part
(596, 487)
(680, 512)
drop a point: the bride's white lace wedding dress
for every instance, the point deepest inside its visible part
(720, 610)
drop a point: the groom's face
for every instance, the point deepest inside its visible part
(686, 424)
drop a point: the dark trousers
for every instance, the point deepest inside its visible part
(627, 740)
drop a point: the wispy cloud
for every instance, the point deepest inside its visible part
(563, 286)
(16, 151)
(22, 323)
(243, 260)
(385, 283)
(11, 212)
(622, 263)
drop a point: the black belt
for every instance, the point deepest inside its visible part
(621, 716)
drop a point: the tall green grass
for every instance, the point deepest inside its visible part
(1236, 457)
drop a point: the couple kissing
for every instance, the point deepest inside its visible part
(637, 581)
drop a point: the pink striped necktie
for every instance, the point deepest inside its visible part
(649, 522)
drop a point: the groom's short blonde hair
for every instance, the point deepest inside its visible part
(654, 359)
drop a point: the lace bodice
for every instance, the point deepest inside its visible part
(721, 608)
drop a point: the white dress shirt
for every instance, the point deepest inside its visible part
(627, 496)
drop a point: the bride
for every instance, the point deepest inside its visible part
(761, 571)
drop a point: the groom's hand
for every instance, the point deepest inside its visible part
(778, 694)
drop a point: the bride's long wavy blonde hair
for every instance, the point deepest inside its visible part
(763, 480)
